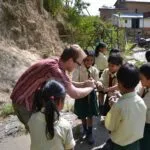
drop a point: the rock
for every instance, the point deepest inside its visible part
(16, 30)
(31, 24)
(74, 121)
(10, 126)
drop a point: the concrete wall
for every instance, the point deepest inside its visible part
(121, 22)
(127, 7)
(141, 7)
(106, 14)
(147, 22)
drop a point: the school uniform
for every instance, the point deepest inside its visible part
(108, 80)
(63, 136)
(125, 121)
(145, 142)
(101, 62)
(86, 106)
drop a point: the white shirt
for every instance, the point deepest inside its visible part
(126, 119)
(81, 74)
(105, 78)
(101, 61)
(63, 138)
(146, 99)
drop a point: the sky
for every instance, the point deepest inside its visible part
(96, 4)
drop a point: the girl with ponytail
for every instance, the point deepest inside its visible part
(48, 130)
(100, 57)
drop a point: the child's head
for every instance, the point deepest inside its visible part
(145, 75)
(101, 47)
(114, 62)
(50, 98)
(128, 78)
(147, 55)
(89, 60)
(114, 50)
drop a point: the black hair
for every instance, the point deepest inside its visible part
(48, 97)
(128, 76)
(115, 58)
(98, 47)
(70, 52)
(90, 53)
(114, 50)
(145, 70)
(147, 55)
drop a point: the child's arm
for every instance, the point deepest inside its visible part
(113, 118)
(111, 89)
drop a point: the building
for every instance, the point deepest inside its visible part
(130, 14)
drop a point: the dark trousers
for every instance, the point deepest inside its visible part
(23, 114)
(145, 141)
(104, 109)
(132, 146)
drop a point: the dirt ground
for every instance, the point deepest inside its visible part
(23, 142)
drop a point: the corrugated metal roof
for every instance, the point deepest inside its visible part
(129, 15)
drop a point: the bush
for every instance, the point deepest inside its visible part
(53, 6)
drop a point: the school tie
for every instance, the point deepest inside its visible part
(89, 73)
(144, 92)
(111, 80)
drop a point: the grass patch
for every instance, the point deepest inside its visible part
(6, 110)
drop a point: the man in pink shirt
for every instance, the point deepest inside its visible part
(33, 78)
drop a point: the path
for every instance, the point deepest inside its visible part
(23, 142)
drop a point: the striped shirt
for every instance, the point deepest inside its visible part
(34, 77)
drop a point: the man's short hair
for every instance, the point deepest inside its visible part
(72, 51)
(128, 76)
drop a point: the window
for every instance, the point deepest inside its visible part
(125, 21)
(135, 23)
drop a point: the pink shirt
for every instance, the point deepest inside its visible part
(33, 78)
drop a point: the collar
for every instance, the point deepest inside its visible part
(128, 95)
(100, 53)
(60, 64)
(113, 74)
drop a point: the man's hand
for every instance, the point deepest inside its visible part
(99, 86)
(90, 83)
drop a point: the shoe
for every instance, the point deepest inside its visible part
(106, 146)
(102, 120)
(83, 135)
(90, 139)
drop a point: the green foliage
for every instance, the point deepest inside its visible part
(128, 48)
(139, 63)
(53, 6)
(6, 110)
(87, 31)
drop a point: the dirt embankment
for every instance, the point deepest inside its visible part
(26, 35)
